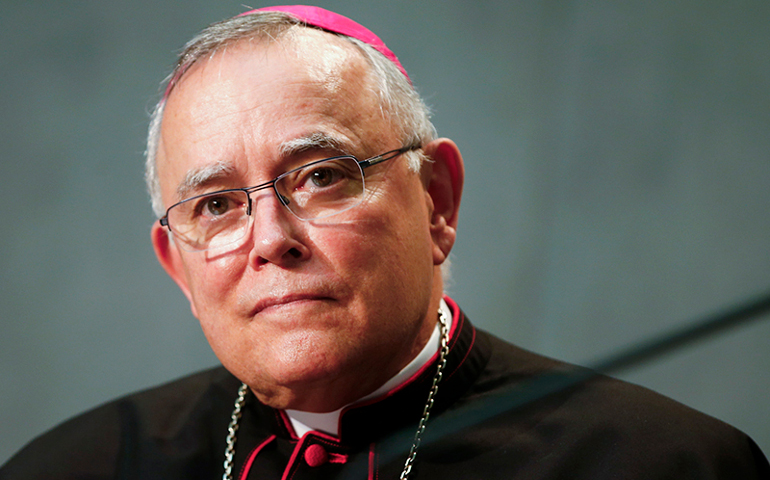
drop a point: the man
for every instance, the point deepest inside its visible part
(306, 210)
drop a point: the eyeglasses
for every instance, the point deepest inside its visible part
(319, 189)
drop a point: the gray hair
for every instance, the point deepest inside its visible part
(398, 99)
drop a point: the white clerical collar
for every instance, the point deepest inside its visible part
(304, 422)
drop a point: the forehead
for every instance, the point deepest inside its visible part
(239, 106)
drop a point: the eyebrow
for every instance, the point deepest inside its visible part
(197, 178)
(312, 141)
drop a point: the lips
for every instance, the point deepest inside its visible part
(294, 299)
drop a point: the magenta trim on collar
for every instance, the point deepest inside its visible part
(336, 23)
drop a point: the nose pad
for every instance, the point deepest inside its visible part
(283, 198)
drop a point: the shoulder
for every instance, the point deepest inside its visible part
(92, 444)
(557, 416)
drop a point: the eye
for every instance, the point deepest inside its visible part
(324, 176)
(217, 205)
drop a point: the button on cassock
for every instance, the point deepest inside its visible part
(315, 455)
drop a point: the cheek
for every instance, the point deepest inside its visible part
(212, 281)
(386, 249)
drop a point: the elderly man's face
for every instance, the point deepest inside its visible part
(310, 314)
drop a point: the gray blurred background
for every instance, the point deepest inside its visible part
(618, 185)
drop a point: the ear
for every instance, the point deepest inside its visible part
(170, 259)
(444, 185)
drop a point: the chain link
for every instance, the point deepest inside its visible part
(429, 403)
(232, 430)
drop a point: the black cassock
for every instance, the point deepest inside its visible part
(601, 428)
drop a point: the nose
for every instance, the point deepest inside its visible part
(277, 237)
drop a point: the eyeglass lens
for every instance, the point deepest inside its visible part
(317, 190)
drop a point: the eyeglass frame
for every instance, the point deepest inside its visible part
(363, 164)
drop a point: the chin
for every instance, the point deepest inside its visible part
(301, 359)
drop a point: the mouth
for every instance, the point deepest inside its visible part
(287, 301)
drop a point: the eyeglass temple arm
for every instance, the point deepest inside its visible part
(386, 156)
